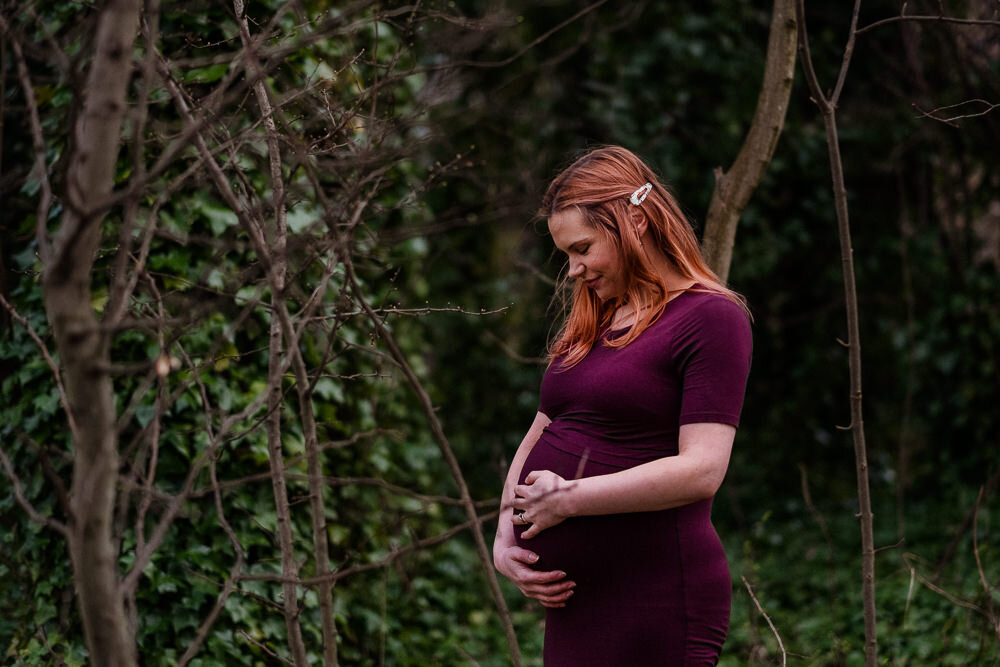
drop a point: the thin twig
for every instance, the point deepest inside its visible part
(63, 398)
(942, 19)
(535, 271)
(848, 52)
(50, 472)
(532, 44)
(511, 352)
(38, 146)
(437, 431)
(817, 515)
(229, 586)
(395, 555)
(25, 504)
(952, 120)
(48, 647)
(909, 590)
(262, 647)
(987, 589)
(951, 598)
(781, 646)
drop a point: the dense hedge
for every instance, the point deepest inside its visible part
(454, 167)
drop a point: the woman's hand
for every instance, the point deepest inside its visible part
(551, 588)
(541, 502)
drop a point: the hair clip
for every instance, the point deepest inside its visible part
(640, 195)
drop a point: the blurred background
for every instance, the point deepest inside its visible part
(448, 120)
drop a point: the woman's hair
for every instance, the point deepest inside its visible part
(599, 185)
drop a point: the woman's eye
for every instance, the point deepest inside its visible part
(584, 249)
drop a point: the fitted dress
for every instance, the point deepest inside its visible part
(652, 588)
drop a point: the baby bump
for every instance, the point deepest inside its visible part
(620, 548)
(566, 545)
(589, 546)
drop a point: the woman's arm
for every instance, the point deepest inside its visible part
(694, 474)
(549, 587)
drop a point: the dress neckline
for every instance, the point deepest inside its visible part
(608, 329)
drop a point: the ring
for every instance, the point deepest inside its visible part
(520, 515)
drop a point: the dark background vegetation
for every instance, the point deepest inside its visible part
(677, 83)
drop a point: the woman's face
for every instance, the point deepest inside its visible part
(593, 259)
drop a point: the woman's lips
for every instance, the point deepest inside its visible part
(592, 283)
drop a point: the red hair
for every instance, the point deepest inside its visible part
(599, 185)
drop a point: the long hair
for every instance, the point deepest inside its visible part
(599, 185)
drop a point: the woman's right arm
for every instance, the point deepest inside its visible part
(549, 587)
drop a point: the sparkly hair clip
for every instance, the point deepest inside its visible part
(640, 195)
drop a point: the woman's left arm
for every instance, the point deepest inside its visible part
(696, 473)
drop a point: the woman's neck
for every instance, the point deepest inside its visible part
(671, 278)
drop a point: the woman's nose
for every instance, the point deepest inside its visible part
(575, 269)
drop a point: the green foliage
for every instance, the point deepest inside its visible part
(452, 166)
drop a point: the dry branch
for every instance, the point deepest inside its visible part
(437, 431)
(49, 361)
(953, 120)
(733, 188)
(25, 504)
(828, 107)
(229, 586)
(278, 260)
(925, 19)
(396, 554)
(774, 630)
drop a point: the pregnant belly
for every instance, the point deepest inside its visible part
(623, 550)
(577, 544)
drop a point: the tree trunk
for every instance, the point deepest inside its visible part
(84, 350)
(734, 187)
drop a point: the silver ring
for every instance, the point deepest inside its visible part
(520, 515)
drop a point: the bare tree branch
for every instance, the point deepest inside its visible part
(935, 19)
(734, 188)
(952, 119)
(229, 586)
(781, 646)
(38, 144)
(318, 510)
(395, 555)
(438, 433)
(56, 375)
(828, 108)
(25, 504)
(987, 588)
(532, 44)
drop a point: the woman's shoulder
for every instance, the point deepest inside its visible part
(707, 318)
(702, 305)
(710, 326)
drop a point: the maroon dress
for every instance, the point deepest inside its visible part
(652, 588)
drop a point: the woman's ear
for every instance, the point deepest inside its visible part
(638, 220)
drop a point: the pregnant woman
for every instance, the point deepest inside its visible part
(607, 504)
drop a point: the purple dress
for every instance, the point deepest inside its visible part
(652, 587)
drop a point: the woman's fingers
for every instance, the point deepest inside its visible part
(542, 576)
(524, 556)
(522, 490)
(549, 590)
(531, 532)
(553, 595)
(550, 587)
(556, 602)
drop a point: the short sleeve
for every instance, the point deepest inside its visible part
(712, 353)
(545, 396)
